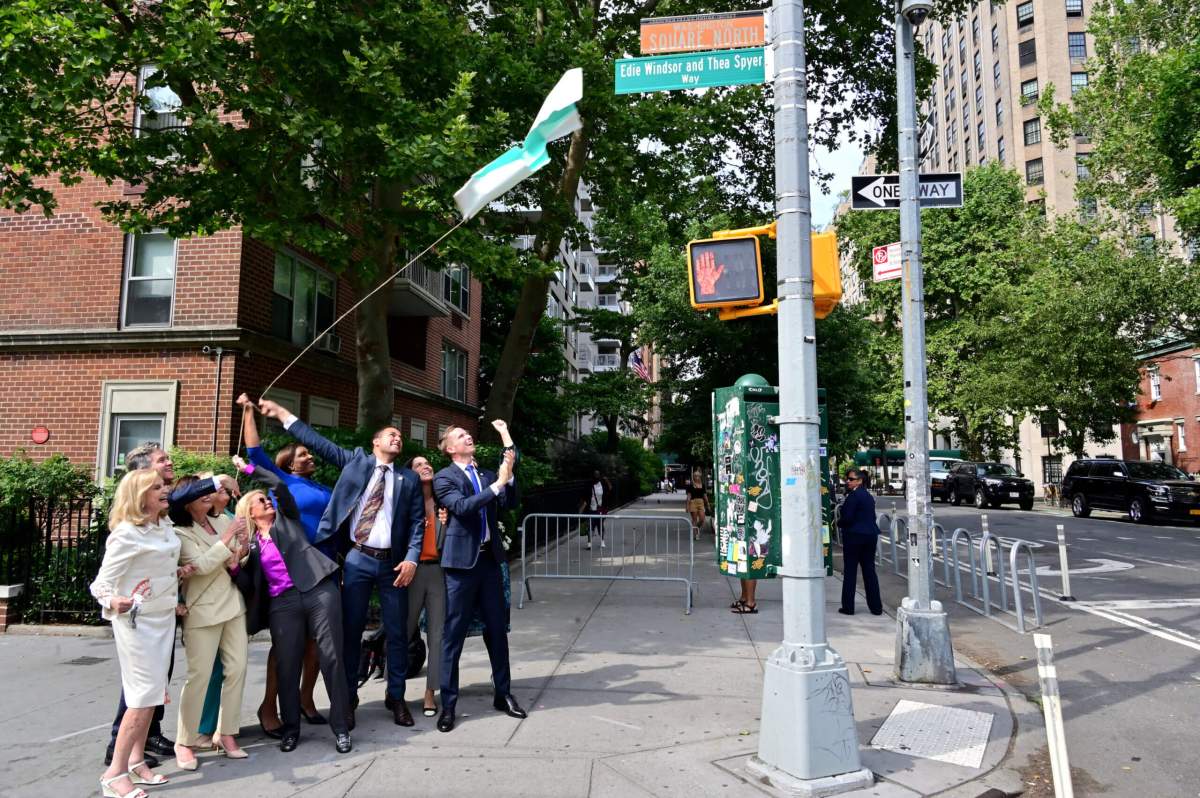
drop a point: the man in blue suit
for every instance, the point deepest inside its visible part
(376, 518)
(860, 536)
(471, 557)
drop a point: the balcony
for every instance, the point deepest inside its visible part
(418, 292)
(587, 283)
(583, 359)
(606, 362)
(606, 274)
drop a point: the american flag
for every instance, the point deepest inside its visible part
(639, 366)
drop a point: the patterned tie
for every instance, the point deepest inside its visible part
(362, 530)
(482, 513)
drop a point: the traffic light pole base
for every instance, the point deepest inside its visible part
(808, 743)
(924, 654)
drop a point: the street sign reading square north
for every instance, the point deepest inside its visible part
(882, 192)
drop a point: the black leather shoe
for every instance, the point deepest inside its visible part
(845, 611)
(160, 746)
(446, 721)
(289, 742)
(315, 719)
(342, 743)
(509, 706)
(274, 734)
(151, 760)
(401, 716)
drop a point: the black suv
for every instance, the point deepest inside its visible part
(989, 484)
(1144, 489)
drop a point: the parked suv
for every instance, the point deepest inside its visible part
(989, 484)
(1144, 489)
(939, 471)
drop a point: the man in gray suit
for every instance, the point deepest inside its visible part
(376, 517)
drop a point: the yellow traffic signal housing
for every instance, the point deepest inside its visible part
(725, 272)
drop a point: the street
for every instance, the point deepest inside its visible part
(1126, 652)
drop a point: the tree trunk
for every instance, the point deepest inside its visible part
(376, 391)
(613, 444)
(518, 344)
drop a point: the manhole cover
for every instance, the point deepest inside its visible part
(86, 661)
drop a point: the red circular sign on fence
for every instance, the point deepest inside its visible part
(39, 435)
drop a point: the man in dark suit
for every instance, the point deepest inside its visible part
(471, 557)
(860, 536)
(376, 517)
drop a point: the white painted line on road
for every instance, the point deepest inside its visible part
(1101, 566)
(1163, 564)
(618, 723)
(1163, 537)
(1089, 540)
(1144, 604)
(77, 733)
(1121, 538)
(1141, 624)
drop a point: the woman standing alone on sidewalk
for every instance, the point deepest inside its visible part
(697, 504)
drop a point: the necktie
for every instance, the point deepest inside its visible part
(362, 530)
(482, 513)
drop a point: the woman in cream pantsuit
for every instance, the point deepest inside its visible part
(137, 588)
(215, 623)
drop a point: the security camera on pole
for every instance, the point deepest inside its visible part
(923, 650)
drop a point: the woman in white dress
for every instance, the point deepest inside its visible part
(137, 588)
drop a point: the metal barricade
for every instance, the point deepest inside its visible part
(1018, 608)
(607, 547)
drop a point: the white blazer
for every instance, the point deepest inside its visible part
(134, 553)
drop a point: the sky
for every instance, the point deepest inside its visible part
(843, 161)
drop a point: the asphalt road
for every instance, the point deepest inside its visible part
(1127, 652)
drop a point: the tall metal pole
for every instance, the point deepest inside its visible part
(923, 650)
(808, 744)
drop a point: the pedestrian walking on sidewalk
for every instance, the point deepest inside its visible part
(860, 536)
(698, 506)
(596, 505)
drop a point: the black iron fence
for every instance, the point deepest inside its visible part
(53, 547)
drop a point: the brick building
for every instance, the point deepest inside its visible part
(108, 339)
(1168, 409)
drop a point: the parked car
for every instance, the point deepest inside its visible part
(1144, 489)
(939, 471)
(988, 484)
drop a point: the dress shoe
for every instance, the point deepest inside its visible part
(160, 746)
(289, 742)
(446, 721)
(151, 760)
(509, 706)
(315, 719)
(400, 713)
(274, 734)
(342, 743)
(845, 611)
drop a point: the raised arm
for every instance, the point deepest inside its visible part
(458, 503)
(305, 434)
(206, 558)
(283, 497)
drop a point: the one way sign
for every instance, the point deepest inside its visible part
(881, 192)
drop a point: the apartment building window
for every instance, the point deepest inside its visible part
(1181, 429)
(161, 102)
(999, 113)
(1145, 209)
(946, 73)
(1029, 91)
(1074, 8)
(1077, 46)
(966, 151)
(945, 43)
(996, 75)
(963, 83)
(1145, 242)
(302, 302)
(954, 161)
(975, 31)
(966, 120)
(1027, 52)
(456, 288)
(1034, 174)
(418, 432)
(1081, 167)
(979, 101)
(1155, 384)
(949, 103)
(323, 412)
(1039, 205)
(133, 413)
(1025, 14)
(1087, 208)
(1196, 372)
(149, 280)
(962, 52)
(1079, 80)
(979, 135)
(995, 38)
(978, 64)
(1033, 131)
(454, 373)
(1000, 154)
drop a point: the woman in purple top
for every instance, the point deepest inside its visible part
(294, 590)
(294, 464)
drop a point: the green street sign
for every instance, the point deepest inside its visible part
(691, 70)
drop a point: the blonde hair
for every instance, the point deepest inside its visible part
(444, 440)
(129, 501)
(243, 508)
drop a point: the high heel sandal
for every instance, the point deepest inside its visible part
(189, 765)
(107, 790)
(155, 778)
(222, 750)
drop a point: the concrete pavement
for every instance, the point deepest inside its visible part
(626, 695)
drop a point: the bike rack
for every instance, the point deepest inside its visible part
(884, 521)
(955, 536)
(934, 539)
(984, 554)
(896, 537)
(1018, 609)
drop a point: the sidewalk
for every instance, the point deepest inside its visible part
(626, 695)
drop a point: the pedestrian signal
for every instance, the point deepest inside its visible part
(725, 272)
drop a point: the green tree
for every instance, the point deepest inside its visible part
(619, 398)
(1140, 110)
(303, 123)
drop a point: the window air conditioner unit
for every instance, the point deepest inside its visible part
(331, 343)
